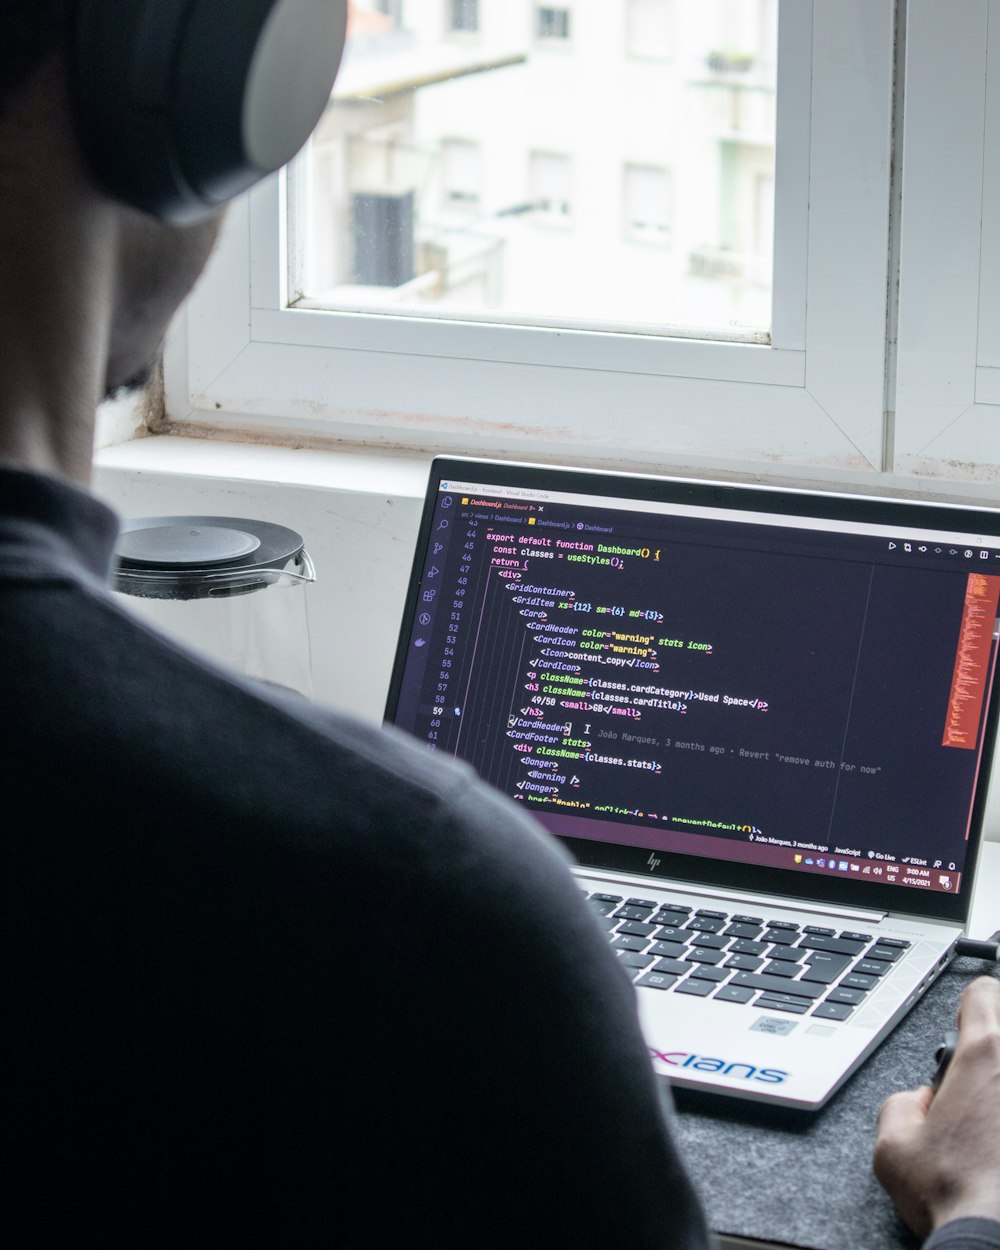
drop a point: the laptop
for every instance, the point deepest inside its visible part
(760, 720)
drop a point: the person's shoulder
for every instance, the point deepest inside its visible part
(251, 764)
(259, 745)
(441, 807)
(437, 828)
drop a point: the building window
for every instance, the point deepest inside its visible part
(649, 29)
(552, 22)
(383, 238)
(463, 15)
(647, 206)
(550, 178)
(461, 174)
(414, 122)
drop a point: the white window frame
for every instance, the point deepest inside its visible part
(242, 361)
(948, 372)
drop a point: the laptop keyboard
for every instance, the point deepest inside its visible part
(749, 960)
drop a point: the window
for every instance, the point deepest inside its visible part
(551, 22)
(280, 336)
(550, 180)
(464, 15)
(745, 37)
(648, 28)
(646, 209)
(948, 365)
(383, 237)
(553, 134)
(461, 174)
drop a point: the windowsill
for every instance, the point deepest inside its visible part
(402, 472)
(396, 474)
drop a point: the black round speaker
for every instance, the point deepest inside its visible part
(183, 104)
(204, 557)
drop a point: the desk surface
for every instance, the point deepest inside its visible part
(778, 1179)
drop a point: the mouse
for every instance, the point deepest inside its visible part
(942, 1057)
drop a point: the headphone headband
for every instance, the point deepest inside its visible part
(183, 104)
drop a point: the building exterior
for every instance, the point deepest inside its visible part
(592, 162)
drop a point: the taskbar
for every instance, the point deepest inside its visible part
(874, 867)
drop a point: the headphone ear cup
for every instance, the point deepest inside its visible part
(182, 104)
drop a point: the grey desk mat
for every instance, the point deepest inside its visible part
(804, 1181)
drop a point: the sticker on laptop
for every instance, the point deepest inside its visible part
(767, 1024)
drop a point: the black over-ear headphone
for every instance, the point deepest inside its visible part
(182, 104)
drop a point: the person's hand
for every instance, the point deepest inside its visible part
(938, 1154)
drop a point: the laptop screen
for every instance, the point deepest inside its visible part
(754, 688)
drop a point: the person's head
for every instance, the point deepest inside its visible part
(125, 126)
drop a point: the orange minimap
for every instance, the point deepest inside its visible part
(973, 662)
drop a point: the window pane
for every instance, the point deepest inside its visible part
(550, 180)
(461, 174)
(604, 164)
(648, 28)
(464, 14)
(552, 21)
(646, 210)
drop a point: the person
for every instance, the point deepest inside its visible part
(938, 1155)
(272, 977)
